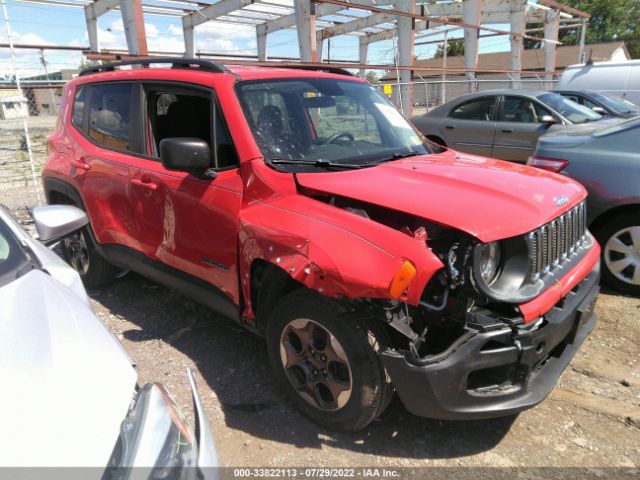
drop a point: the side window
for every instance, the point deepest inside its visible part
(110, 115)
(481, 109)
(179, 113)
(589, 104)
(522, 110)
(78, 107)
(573, 98)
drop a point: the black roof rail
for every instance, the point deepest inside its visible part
(320, 68)
(176, 62)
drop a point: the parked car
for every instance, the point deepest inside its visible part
(607, 163)
(304, 206)
(605, 104)
(616, 78)
(504, 124)
(69, 395)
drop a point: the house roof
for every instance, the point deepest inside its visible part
(532, 59)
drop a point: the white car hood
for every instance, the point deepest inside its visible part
(66, 382)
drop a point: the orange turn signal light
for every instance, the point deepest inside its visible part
(402, 279)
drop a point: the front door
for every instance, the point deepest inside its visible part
(191, 219)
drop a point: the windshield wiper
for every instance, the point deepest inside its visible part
(314, 163)
(396, 156)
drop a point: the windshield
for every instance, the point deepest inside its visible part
(569, 109)
(12, 258)
(618, 127)
(326, 120)
(617, 104)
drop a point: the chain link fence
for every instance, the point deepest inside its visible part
(429, 94)
(27, 118)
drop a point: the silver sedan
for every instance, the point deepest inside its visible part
(504, 124)
(607, 163)
(69, 393)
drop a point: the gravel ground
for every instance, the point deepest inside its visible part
(592, 419)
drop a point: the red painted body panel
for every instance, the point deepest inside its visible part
(254, 212)
(552, 295)
(489, 199)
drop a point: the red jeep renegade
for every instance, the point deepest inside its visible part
(304, 206)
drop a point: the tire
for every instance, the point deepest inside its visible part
(366, 392)
(620, 242)
(79, 251)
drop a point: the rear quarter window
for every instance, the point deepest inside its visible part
(110, 115)
(77, 115)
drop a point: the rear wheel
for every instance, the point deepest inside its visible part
(620, 241)
(327, 360)
(78, 250)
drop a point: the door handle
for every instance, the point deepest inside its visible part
(79, 164)
(449, 127)
(507, 130)
(144, 184)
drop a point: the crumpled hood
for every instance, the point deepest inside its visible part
(66, 383)
(489, 199)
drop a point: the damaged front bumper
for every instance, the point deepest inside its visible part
(487, 374)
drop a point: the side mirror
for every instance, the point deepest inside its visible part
(54, 222)
(548, 119)
(599, 110)
(185, 154)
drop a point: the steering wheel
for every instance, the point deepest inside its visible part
(336, 136)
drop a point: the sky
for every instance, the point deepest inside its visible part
(43, 24)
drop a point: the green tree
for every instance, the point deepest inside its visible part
(372, 77)
(455, 48)
(611, 20)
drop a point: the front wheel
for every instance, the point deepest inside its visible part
(327, 360)
(620, 241)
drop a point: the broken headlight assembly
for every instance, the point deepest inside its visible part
(501, 271)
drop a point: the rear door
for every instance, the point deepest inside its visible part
(104, 121)
(518, 128)
(470, 126)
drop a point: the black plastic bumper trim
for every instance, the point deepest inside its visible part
(441, 389)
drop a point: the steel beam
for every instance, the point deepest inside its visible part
(363, 51)
(134, 31)
(91, 13)
(306, 27)
(213, 11)
(518, 25)
(471, 15)
(406, 32)
(551, 29)
(355, 25)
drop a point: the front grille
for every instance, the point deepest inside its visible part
(553, 243)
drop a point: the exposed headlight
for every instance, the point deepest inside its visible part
(488, 261)
(156, 435)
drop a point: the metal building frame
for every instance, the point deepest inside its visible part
(317, 21)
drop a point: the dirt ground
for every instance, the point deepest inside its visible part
(591, 419)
